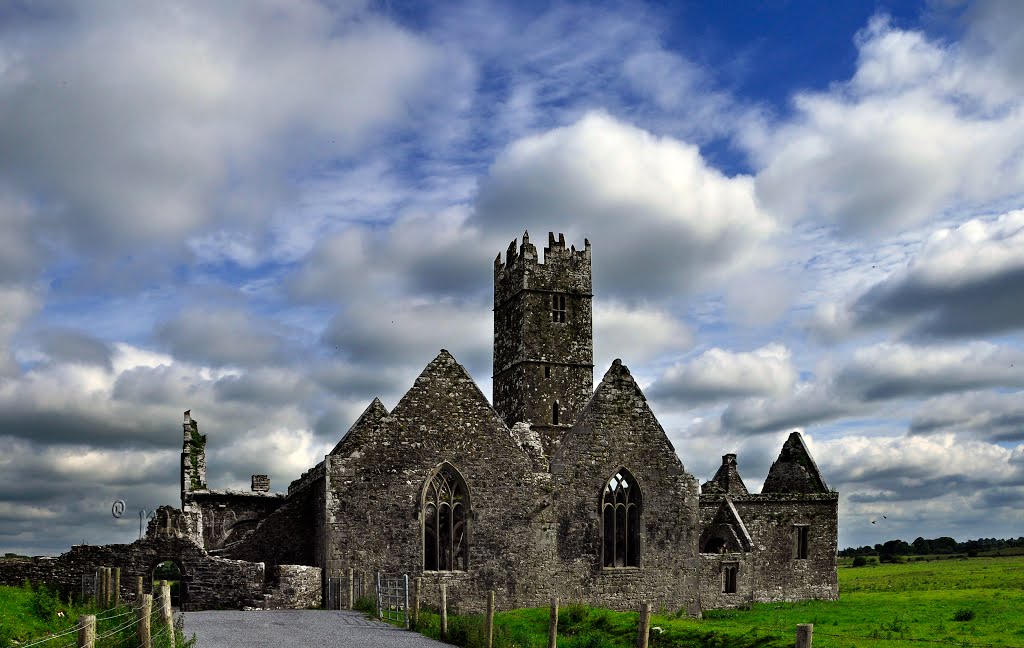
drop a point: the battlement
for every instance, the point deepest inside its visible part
(562, 270)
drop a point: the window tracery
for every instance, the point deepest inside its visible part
(446, 510)
(621, 506)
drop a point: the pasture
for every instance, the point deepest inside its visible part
(977, 602)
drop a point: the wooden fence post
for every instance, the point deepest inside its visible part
(117, 586)
(377, 594)
(553, 625)
(804, 632)
(139, 591)
(643, 631)
(98, 594)
(351, 588)
(444, 611)
(87, 631)
(489, 620)
(106, 587)
(417, 586)
(165, 596)
(142, 614)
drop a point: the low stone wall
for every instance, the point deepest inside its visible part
(294, 587)
(207, 582)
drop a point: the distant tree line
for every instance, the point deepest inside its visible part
(935, 546)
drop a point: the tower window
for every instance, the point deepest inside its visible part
(547, 371)
(729, 572)
(800, 542)
(508, 317)
(558, 308)
(621, 503)
(554, 413)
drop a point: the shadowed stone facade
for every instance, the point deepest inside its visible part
(557, 489)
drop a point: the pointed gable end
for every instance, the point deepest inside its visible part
(618, 416)
(445, 401)
(368, 421)
(727, 480)
(794, 471)
(726, 533)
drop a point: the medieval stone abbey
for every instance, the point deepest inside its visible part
(552, 488)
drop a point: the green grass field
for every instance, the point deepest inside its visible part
(881, 606)
(33, 614)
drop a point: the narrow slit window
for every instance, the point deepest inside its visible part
(554, 413)
(800, 535)
(729, 573)
(558, 308)
(547, 371)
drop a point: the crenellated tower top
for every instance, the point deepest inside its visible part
(562, 270)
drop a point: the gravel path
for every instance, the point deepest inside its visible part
(298, 629)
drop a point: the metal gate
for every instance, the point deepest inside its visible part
(393, 598)
(337, 593)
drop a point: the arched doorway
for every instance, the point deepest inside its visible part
(170, 571)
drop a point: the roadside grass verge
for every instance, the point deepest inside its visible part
(880, 606)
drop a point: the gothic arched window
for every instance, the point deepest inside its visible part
(446, 521)
(621, 505)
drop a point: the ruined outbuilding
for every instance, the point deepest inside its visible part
(551, 489)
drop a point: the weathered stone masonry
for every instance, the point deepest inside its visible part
(557, 489)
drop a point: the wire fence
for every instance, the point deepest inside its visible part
(115, 628)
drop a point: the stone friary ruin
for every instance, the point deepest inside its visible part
(555, 489)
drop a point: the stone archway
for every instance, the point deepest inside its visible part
(171, 570)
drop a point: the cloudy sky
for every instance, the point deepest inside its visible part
(804, 216)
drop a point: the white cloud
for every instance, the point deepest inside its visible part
(671, 221)
(876, 375)
(635, 335)
(963, 281)
(173, 118)
(910, 136)
(719, 374)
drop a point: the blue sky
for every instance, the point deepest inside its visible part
(804, 215)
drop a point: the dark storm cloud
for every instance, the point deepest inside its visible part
(982, 306)
(63, 345)
(964, 282)
(266, 386)
(78, 425)
(221, 337)
(383, 334)
(998, 417)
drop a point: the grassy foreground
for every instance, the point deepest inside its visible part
(976, 602)
(36, 615)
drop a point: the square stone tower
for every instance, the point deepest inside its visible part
(543, 336)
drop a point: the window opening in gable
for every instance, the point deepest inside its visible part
(800, 536)
(445, 521)
(621, 504)
(558, 308)
(729, 573)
